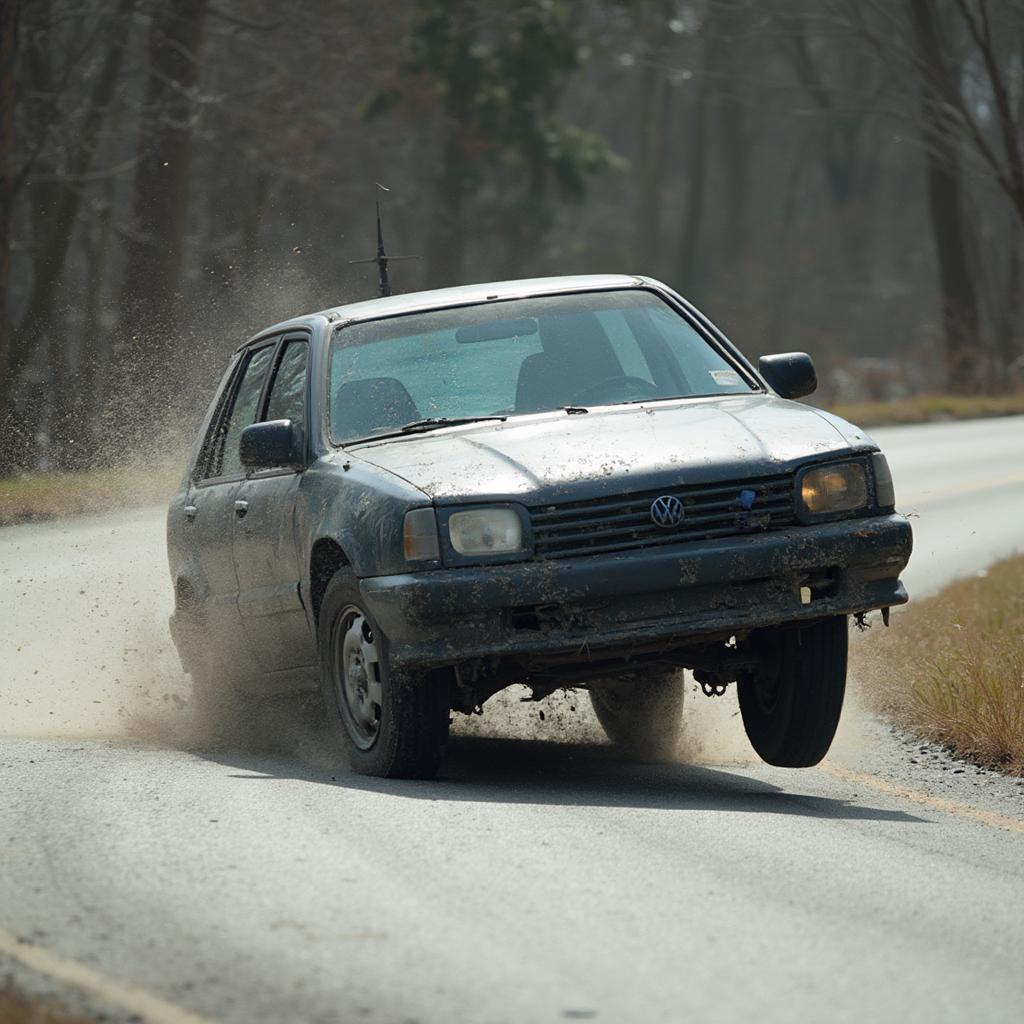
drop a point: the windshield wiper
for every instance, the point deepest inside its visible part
(421, 427)
(677, 398)
(435, 422)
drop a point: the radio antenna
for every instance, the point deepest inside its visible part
(382, 258)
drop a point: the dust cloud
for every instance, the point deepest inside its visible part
(85, 653)
(85, 650)
(84, 646)
(712, 733)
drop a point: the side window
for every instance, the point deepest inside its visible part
(226, 461)
(288, 390)
(213, 431)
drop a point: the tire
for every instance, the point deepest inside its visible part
(791, 708)
(390, 725)
(641, 714)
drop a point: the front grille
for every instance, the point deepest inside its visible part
(623, 522)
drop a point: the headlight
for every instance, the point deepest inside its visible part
(486, 531)
(839, 488)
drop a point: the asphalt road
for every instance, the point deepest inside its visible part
(539, 879)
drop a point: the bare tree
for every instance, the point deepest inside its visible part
(155, 252)
(654, 101)
(838, 175)
(57, 197)
(946, 202)
(8, 49)
(958, 60)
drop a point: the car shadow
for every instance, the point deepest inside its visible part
(528, 771)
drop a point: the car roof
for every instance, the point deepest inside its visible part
(464, 295)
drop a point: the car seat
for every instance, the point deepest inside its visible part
(363, 407)
(576, 355)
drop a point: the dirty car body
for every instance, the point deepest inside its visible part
(553, 482)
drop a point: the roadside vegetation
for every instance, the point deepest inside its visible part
(843, 178)
(929, 409)
(951, 670)
(40, 496)
(17, 1008)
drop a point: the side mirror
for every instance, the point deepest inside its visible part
(790, 374)
(274, 444)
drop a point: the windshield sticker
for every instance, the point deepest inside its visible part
(725, 377)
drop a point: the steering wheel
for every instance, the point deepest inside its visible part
(613, 389)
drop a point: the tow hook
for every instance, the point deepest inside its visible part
(710, 683)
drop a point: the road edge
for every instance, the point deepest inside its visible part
(138, 1003)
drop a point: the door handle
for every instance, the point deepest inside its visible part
(190, 512)
(241, 507)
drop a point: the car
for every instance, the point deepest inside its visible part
(568, 482)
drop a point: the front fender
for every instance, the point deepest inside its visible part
(359, 506)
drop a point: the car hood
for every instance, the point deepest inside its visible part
(554, 457)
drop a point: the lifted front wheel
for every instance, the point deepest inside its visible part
(791, 704)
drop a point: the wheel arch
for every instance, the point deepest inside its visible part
(326, 558)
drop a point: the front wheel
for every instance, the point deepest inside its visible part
(641, 714)
(391, 725)
(791, 705)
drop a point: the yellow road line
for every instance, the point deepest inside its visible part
(969, 487)
(937, 803)
(148, 1007)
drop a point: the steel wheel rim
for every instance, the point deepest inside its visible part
(357, 679)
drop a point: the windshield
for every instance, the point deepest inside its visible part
(517, 357)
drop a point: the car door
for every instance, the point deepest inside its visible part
(266, 551)
(209, 509)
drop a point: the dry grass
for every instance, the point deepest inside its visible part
(55, 495)
(929, 409)
(17, 1008)
(951, 669)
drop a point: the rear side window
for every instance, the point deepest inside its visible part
(288, 391)
(225, 457)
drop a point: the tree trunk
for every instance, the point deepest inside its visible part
(783, 292)
(653, 110)
(696, 165)
(58, 218)
(946, 206)
(448, 236)
(8, 50)
(1009, 346)
(150, 298)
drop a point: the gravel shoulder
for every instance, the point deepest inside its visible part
(903, 760)
(30, 997)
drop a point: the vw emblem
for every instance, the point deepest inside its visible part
(666, 511)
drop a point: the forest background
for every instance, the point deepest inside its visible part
(843, 177)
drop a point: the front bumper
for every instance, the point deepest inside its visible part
(672, 596)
